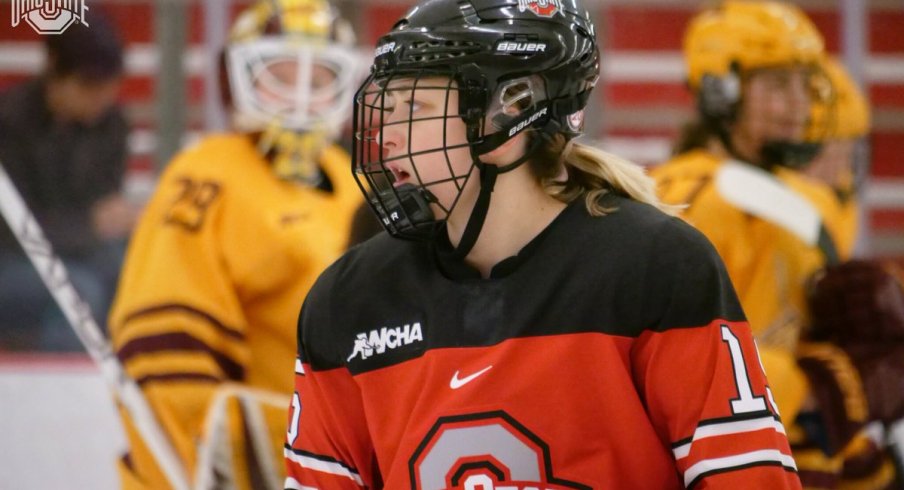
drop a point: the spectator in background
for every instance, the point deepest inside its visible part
(63, 142)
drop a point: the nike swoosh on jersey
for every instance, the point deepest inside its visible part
(292, 218)
(456, 382)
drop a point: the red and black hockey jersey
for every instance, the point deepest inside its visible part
(610, 353)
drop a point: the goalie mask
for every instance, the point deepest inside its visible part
(292, 74)
(493, 69)
(724, 47)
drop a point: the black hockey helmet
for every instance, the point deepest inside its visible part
(517, 65)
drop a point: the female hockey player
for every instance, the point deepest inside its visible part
(544, 324)
(765, 104)
(240, 226)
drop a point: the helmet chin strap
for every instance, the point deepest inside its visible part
(552, 111)
(788, 154)
(488, 175)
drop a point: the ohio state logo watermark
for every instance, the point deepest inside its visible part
(49, 16)
(543, 8)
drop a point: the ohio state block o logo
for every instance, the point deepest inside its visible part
(483, 451)
(49, 16)
(542, 8)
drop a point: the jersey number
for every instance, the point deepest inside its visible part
(294, 415)
(190, 207)
(746, 401)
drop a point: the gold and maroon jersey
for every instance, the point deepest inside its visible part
(838, 215)
(762, 239)
(216, 270)
(609, 353)
(766, 230)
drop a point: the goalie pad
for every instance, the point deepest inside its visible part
(244, 434)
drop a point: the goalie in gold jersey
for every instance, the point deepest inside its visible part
(238, 229)
(765, 104)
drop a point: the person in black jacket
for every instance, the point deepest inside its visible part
(63, 143)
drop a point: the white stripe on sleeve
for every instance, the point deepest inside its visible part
(727, 428)
(293, 484)
(322, 466)
(765, 455)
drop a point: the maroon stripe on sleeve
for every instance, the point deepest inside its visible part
(176, 342)
(175, 377)
(189, 310)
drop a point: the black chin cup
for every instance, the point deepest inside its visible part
(788, 154)
(405, 211)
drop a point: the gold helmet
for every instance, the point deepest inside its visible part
(724, 45)
(847, 116)
(292, 75)
(746, 35)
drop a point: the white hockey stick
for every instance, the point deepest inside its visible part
(53, 273)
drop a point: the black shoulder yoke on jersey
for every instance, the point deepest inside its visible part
(632, 270)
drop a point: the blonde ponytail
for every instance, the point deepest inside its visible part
(592, 172)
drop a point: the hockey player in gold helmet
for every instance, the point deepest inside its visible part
(752, 67)
(740, 50)
(764, 106)
(238, 229)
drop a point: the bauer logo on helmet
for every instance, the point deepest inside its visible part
(386, 48)
(520, 48)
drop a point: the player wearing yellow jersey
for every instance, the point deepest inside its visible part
(749, 65)
(754, 68)
(238, 229)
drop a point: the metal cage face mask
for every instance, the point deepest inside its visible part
(505, 71)
(301, 86)
(413, 154)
